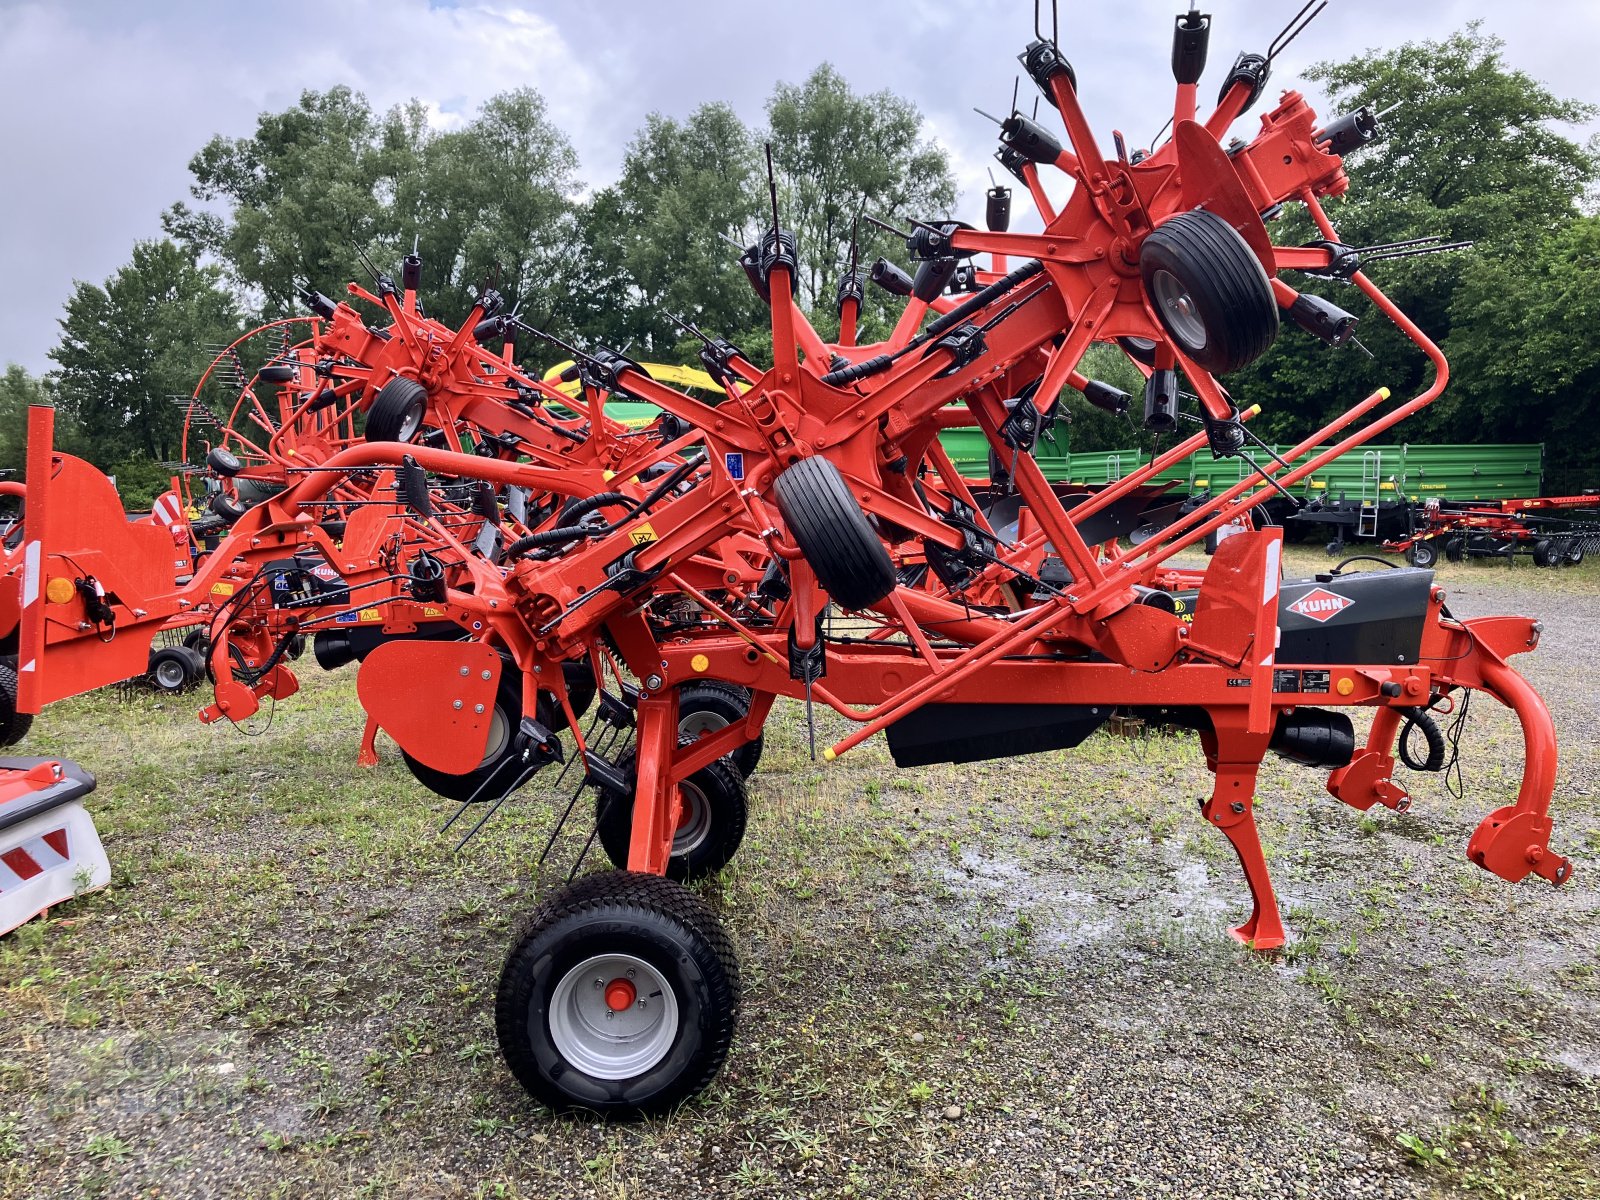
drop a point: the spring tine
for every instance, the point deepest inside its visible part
(1293, 29)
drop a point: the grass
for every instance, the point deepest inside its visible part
(287, 988)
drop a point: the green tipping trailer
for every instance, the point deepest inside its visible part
(1366, 493)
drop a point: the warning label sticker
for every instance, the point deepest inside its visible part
(642, 535)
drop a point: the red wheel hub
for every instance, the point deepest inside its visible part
(620, 994)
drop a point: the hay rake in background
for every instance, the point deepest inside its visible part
(700, 565)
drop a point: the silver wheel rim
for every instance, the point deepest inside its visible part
(608, 1043)
(170, 675)
(499, 737)
(412, 422)
(700, 722)
(1177, 310)
(695, 826)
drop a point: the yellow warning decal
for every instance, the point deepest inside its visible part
(642, 535)
(431, 611)
(371, 614)
(222, 589)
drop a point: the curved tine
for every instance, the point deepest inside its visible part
(1293, 29)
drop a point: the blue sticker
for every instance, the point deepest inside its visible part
(735, 465)
(346, 618)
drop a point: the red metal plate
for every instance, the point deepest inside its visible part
(435, 699)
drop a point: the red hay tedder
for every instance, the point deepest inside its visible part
(501, 559)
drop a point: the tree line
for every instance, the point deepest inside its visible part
(1471, 152)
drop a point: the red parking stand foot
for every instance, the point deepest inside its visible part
(1231, 809)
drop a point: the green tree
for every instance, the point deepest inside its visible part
(19, 390)
(838, 154)
(489, 205)
(129, 347)
(1471, 153)
(653, 241)
(1525, 350)
(313, 185)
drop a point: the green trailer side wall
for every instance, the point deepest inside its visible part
(1389, 472)
(1371, 473)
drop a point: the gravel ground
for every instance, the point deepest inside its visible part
(984, 980)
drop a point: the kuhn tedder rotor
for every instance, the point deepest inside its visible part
(496, 554)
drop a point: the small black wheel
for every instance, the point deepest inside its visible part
(295, 648)
(1422, 554)
(14, 725)
(1545, 554)
(1141, 350)
(199, 641)
(226, 507)
(174, 669)
(1209, 291)
(619, 997)
(1574, 552)
(1455, 549)
(708, 705)
(715, 808)
(223, 462)
(494, 768)
(397, 411)
(834, 534)
(1332, 549)
(278, 373)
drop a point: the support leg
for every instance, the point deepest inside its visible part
(1231, 809)
(655, 795)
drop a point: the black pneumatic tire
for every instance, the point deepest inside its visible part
(174, 669)
(501, 746)
(834, 534)
(1422, 554)
(278, 373)
(668, 931)
(397, 411)
(14, 725)
(1209, 291)
(708, 705)
(717, 808)
(229, 509)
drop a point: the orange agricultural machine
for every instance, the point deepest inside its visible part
(804, 535)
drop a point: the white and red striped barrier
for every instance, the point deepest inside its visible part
(49, 850)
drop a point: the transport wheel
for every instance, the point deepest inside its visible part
(1455, 549)
(1574, 553)
(14, 725)
(223, 462)
(834, 534)
(715, 808)
(198, 641)
(1209, 291)
(709, 705)
(1544, 553)
(501, 746)
(1141, 350)
(397, 411)
(620, 996)
(278, 373)
(1422, 554)
(504, 723)
(229, 509)
(174, 669)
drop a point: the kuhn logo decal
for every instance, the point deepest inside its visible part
(1319, 604)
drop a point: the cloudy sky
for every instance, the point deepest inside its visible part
(107, 100)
